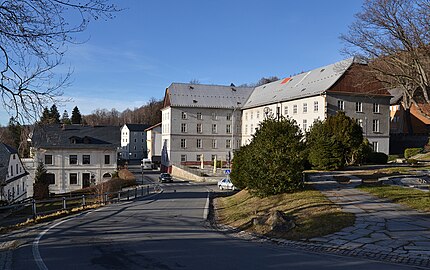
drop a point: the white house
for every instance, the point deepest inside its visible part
(201, 122)
(153, 143)
(133, 142)
(75, 156)
(314, 95)
(13, 176)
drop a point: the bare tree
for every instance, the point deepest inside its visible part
(33, 39)
(393, 36)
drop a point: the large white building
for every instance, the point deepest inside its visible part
(208, 121)
(201, 122)
(13, 176)
(153, 143)
(133, 142)
(314, 95)
(75, 156)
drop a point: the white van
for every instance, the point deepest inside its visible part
(146, 164)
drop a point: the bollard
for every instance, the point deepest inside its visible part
(105, 198)
(135, 193)
(128, 194)
(142, 191)
(83, 200)
(119, 196)
(147, 189)
(64, 203)
(34, 208)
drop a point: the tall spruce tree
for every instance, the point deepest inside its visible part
(54, 115)
(76, 116)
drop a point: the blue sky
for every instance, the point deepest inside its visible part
(150, 44)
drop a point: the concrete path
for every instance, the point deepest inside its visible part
(382, 230)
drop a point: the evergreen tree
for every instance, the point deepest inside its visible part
(46, 116)
(54, 115)
(65, 119)
(41, 185)
(15, 130)
(76, 116)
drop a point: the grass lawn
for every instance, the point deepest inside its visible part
(410, 197)
(313, 214)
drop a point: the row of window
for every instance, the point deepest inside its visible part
(18, 169)
(73, 159)
(358, 106)
(199, 128)
(199, 143)
(135, 140)
(12, 193)
(184, 158)
(199, 116)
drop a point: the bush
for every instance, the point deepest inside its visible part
(410, 152)
(412, 161)
(126, 175)
(377, 158)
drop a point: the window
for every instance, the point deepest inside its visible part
(228, 116)
(227, 143)
(252, 129)
(50, 178)
(73, 159)
(135, 140)
(246, 116)
(214, 128)
(86, 159)
(340, 105)
(11, 170)
(214, 116)
(13, 156)
(252, 115)
(183, 127)
(184, 115)
(286, 110)
(294, 109)
(199, 143)
(305, 124)
(375, 125)
(258, 114)
(315, 106)
(107, 159)
(199, 116)
(360, 122)
(183, 158)
(73, 178)
(246, 129)
(134, 147)
(375, 146)
(214, 143)
(199, 157)
(358, 107)
(199, 128)
(375, 108)
(183, 143)
(228, 128)
(17, 169)
(48, 159)
(305, 107)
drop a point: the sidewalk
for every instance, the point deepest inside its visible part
(382, 230)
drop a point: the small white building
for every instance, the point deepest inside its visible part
(75, 156)
(133, 142)
(13, 176)
(153, 143)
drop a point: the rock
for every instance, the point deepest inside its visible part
(278, 221)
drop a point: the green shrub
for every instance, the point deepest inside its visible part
(410, 152)
(412, 161)
(393, 157)
(377, 158)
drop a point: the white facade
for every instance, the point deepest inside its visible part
(153, 143)
(133, 143)
(16, 183)
(73, 169)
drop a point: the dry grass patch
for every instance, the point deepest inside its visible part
(313, 214)
(413, 198)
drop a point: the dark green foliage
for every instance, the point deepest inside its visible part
(273, 162)
(377, 158)
(76, 116)
(336, 142)
(15, 130)
(41, 185)
(410, 152)
(412, 161)
(54, 115)
(65, 118)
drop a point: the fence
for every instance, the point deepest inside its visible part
(35, 208)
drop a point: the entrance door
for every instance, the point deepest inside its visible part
(86, 180)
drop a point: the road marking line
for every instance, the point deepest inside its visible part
(35, 248)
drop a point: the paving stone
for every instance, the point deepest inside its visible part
(400, 226)
(379, 236)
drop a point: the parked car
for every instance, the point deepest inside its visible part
(226, 184)
(165, 177)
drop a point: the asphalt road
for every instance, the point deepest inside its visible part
(166, 231)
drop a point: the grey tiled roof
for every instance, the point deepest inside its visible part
(76, 137)
(306, 84)
(207, 96)
(396, 95)
(5, 152)
(137, 127)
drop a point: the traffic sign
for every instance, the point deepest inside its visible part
(227, 171)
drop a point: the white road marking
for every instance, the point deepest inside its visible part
(206, 210)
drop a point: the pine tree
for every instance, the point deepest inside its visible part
(76, 116)
(46, 116)
(41, 185)
(65, 119)
(54, 115)
(15, 130)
